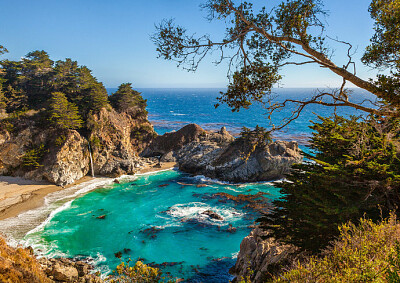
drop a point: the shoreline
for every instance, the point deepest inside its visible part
(18, 195)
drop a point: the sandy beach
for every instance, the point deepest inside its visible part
(18, 195)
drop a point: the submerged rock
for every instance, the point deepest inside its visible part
(212, 214)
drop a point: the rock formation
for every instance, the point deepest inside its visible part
(117, 139)
(28, 149)
(219, 155)
(67, 270)
(259, 257)
(36, 153)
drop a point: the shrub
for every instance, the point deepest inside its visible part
(19, 265)
(60, 140)
(34, 156)
(139, 273)
(367, 252)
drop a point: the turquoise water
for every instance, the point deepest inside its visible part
(156, 218)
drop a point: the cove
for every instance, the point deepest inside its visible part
(157, 218)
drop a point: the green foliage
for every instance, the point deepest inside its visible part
(60, 140)
(3, 104)
(383, 52)
(30, 83)
(250, 140)
(139, 273)
(125, 99)
(366, 252)
(259, 136)
(62, 113)
(3, 50)
(355, 171)
(33, 157)
(95, 142)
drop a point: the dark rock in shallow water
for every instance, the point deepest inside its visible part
(212, 215)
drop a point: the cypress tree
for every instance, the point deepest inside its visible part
(355, 171)
(62, 113)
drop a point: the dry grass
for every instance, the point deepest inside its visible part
(19, 265)
(360, 254)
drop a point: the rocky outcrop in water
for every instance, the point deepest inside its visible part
(219, 155)
(260, 257)
(168, 145)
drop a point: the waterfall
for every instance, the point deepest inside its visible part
(91, 159)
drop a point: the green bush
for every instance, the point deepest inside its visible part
(139, 273)
(33, 157)
(60, 140)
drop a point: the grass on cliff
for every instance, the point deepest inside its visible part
(367, 252)
(19, 265)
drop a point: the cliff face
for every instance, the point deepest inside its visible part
(116, 140)
(219, 155)
(259, 258)
(36, 153)
(29, 150)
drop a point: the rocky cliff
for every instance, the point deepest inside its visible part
(31, 150)
(117, 139)
(219, 155)
(261, 257)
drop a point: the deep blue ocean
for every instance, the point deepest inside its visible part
(171, 109)
(158, 218)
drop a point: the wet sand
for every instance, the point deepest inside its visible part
(18, 195)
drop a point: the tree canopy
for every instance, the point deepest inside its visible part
(63, 114)
(125, 99)
(355, 165)
(258, 45)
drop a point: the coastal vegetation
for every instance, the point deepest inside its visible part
(19, 265)
(63, 93)
(354, 169)
(367, 252)
(51, 108)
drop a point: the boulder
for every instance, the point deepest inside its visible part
(64, 273)
(212, 214)
(259, 256)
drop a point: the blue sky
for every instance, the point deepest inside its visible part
(112, 38)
